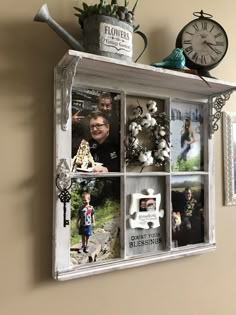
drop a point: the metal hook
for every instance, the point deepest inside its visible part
(202, 14)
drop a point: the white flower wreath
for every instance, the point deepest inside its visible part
(157, 124)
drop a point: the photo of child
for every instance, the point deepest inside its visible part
(94, 200)
(85, 221)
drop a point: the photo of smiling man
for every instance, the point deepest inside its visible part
(95, 131)
(101, 147)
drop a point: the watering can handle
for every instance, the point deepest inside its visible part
(145, 43)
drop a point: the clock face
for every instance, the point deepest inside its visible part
(204, 42)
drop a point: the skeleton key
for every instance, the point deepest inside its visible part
(64, 197)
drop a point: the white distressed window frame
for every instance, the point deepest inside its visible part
(81, 69)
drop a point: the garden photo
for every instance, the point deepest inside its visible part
(95, 220)
(187, 197)
(186, 137)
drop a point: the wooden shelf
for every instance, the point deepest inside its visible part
(114, 69)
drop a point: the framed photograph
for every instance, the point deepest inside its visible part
(187, 136)
(95, 130)
(95, 220)
(188, 211)
(229, 142)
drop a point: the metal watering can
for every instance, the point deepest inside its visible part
(102, 35)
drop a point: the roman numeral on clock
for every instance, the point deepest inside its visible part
(212, 58)
(189, 49)
(204, 25)
(195, 57)
(195, 26)
(203, 59)
(217, 35)
(212, 28)
(187, 41)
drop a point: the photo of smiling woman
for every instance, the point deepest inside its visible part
(187, 138)
(95, 131)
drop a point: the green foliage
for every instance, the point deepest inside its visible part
(74, 236)
(105, 213)
(189, 165)
(103, 8)
(135, 6)
(76, 199)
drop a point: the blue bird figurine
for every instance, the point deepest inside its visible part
(175, 60)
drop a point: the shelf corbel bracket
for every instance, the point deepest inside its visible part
(68, 76)
(216, 102)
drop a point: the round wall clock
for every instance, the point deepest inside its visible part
(204, 43)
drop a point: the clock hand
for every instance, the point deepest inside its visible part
(210, 45)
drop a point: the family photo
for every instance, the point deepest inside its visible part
(95, 129)
(95, 220)
(187, 197)
(186, 137)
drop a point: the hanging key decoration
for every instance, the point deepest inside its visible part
(63, 183)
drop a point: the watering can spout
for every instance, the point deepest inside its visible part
(44, 17)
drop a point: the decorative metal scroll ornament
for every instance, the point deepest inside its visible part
(68, 79)
(157, 126)
(63, 183)
(216, 103)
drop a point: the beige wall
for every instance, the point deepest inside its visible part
(202, 284)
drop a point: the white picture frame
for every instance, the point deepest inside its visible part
(229, 144)
(138, 86)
